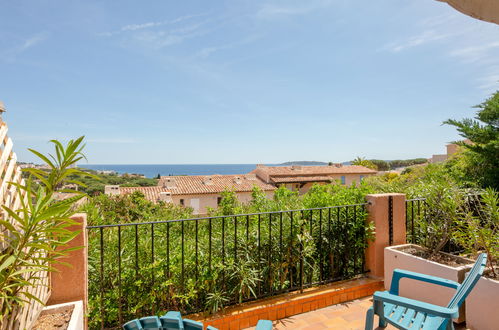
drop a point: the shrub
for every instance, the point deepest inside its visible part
(36, 236)
(478, 228)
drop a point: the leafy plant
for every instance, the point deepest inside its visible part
(216, 301)
(37, 231)
(364, 162)
(478, 229)
(444, 207)
(482, 156)
(245, 274)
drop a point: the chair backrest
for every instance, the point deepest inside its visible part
(470, 281)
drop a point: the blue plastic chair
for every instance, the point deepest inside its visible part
(170, 321)
(148, 322)
(264, 325)
(173, 321)
(405, 313)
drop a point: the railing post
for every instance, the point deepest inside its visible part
(387, 213)
(70, 283)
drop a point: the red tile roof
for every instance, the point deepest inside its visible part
(302, 179)
(201, 184)
(150, 193)
(314, 170)
(197, 184)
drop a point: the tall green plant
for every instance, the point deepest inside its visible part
(444, 207)
(478, 229)
(483, 153)
(37, 231)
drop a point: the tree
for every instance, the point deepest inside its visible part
(482, 155)
(382, 165)
(364, 162)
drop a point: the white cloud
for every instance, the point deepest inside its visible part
(475, 53)
(489, 83)
(271, 10)
(164, 38)
(10, 54)
(34, 40)
(207, 51)
(418, 40)
(149, 25)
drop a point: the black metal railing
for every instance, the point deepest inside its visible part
(198, 264)
(415, 211)
(419, 218)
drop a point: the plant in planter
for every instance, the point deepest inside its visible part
(444, 206)
(479, 231)
(37, 231)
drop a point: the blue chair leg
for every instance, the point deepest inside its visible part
(369, 319)
(382, 322)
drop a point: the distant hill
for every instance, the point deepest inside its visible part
(303, 162)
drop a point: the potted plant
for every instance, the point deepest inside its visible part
(478, 231)
(444, 206)
(37, 230)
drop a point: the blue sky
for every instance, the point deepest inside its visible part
(242, 81)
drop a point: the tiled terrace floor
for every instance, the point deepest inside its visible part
(345, 316)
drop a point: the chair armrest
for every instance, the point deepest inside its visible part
(419, 306)
(264, 325)
(399, 274)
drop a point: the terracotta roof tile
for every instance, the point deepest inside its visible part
(201, 184)
(315, 170)
(302, 179)
(150, 193)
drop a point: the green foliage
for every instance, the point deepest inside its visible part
(94, 182)
(406, 162)
(104, 209)
(443, 208)
(216, 301)
(209, 264)
(34, 240)
(330, 195)
(481, 161)
(478, 228)
(364, 162)
(383, 165)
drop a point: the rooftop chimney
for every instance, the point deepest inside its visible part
(169, 183)
(238, 180)
(207, 180)
(112, 190)
(296, 167)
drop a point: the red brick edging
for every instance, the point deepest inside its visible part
(247, 315)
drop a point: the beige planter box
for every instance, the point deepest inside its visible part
(482, 305)
(395, 257)
(77, 321)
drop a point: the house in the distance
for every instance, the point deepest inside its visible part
(452, 148)
(198, 191)
(301, 178)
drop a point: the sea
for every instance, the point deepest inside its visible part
(152, 170)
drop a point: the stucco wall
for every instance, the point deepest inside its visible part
(211, 200)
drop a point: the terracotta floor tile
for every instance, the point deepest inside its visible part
(345, 316)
